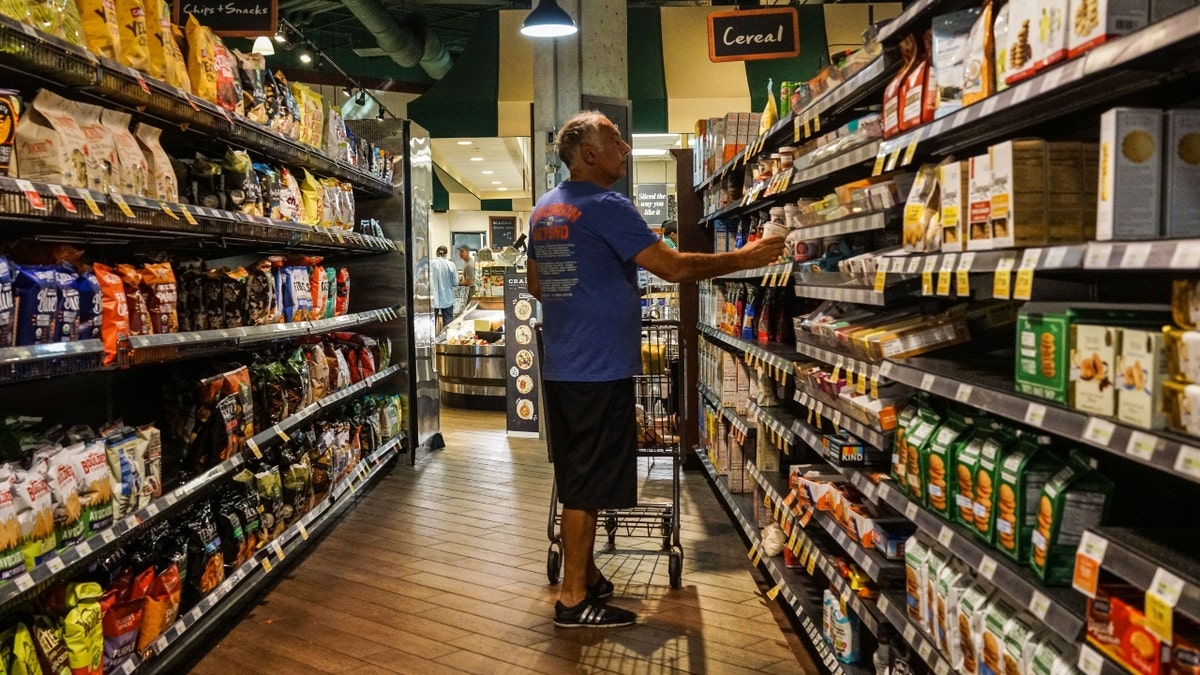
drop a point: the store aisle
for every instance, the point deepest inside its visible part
(442, 569)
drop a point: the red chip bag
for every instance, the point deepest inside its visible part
(161, 294)
(343, 292)
(139, 312)
(122, 621)
(162, 607)
(140, 587)
(114, 324)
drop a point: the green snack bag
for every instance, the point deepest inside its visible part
(939, 488)
(24, 653)
(994, 449)
(923, 429)
(904, 422)
(964, 461)
(1075, 498)
(1023, 474)
(48, 643)
(83, 630)
(331, 296)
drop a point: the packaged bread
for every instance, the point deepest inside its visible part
(161, 182)
(101, 152)
(135, 48)
(101, 27)
(50, 146)
(130, 169)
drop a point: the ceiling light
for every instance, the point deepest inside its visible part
(502, 189)
(464, 143)
(476, 158)
(361, 99)
(262, 45)
(649, 152)
(306, 56)
(497, 182)
(281, 35)
(487, 172)
(347, 91)
(548, 20)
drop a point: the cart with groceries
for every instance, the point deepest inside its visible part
(658, 391)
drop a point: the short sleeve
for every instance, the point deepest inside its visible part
(623, 228)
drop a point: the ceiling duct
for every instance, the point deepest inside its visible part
(408, 44)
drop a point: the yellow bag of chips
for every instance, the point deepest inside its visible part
(100, 27)
(14, 9)
(158, 26)
(177, 68)
(200, 57)
(59, 18)
(135, 48)
(311, 194)
(312, 114)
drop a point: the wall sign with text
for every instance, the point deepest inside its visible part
(652, 200)
(231, 18)
(754, 34)
(502, 230)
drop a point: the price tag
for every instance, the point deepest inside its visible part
(945, 536)
(107, 536)
(1002, 283)
(925, 650)
(812, 563)
(862, 382)
(1023, 290)
(119, 200)
(927, 381)
(152, 510)
(796, 130)
(891, 163)
(167, 210)
(1055, 257)
(989, 106)
(1099, 431)
(1135, 256)
(1186, 255)
(837, 368)
(875, 381)
(1097, 256)
(1141, 445)
(883, 604)
(63, 199)
(911, 150)
(280, 433)
(942, 668)
(880, 280)
(1090, 663)
(1039, 605)
(910, 511)
(926, 281)
(55, 564)
(885, 491)
(93, 207)
(837, 420)
(275, 546)
(1188, 461)
(910, 633)
(914, 264)
(879, 160)
(753, 550)
(35, 199)
(254, 448)
(946, 273)
(774, 592)
(1088, 559)
(1034, 414)
(964, 393)
(816, 120)
(962, 275)
(24, 582)
(187, 215)
(987, 567)
(266, 564)
(1161, 598)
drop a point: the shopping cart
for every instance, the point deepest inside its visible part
(657, 390)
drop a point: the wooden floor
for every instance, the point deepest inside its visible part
(442, 569)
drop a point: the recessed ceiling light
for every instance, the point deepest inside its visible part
(464, 142)
(487, 172)
(502, 189)
(476, 159)
(497, 182)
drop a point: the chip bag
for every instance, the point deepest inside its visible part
(135, 48)
(126, 469)
(100, 156)
(63, 480)
(291, 206)
(83, 629)
(312, 196)
(229, 87)
(121, 623)
(177, 66)
(90, 306)
(152, 479)
(6, 302)
(66, 324)
(130, 166)
(50, 146)
(35, 514)
(12, 561)
(100, 27)
(260, 294)
(114, 326)
(24, 652)
(252, 69)
(159, 288)
(95, 485)
(35, 290)
(139, 311)
(162, 183)
(161, 608)
(343, 292)
(201, 58)
(59, 18)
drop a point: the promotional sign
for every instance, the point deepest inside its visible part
(521, 356)
(502, 230)
(754, 34)
(652, 201)
(231, 18)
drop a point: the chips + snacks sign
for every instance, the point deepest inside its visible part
(754, 34)
(231, 18)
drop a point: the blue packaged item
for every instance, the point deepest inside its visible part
(35, 291)
(91, 306)
(297, 294)
(67, 319)
(6, 303)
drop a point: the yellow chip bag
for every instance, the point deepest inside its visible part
(135, 48)
(177, 68)
(200, 58)
(14, 9)
(59, 18)
(312, 114)
(311, 194)
(100, 27)
(158, 26)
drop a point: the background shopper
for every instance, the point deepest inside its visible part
(443, 277)
(586, 244)
(468, 273)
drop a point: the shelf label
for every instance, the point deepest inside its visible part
(1161, 598)
(250, 443)
(963, 276)
(31, 194)
(1188, 461)
(942, 668)
(187, 215)
(55, 564)
(280, 433)
(964, 393)
(1186, 255)
(910, 633)
(1090, 663)
(119, 200)
(1088, 559)
(910, 511)
(266, 564)
(945, 535)
(752, 551)
(911, 150)
(891, 163)
(63, 199)
(837, 368)
(925, 650)
(1141, 445)
(24, 582)
(987, 567)
(774, 592)
(863, 378)
(1035, 414)
(884, 491)
(1039, 605)
(275, 546)
(1136, 255)
(883, 604)
(167, 210)
(927, 381)
(1055, 257)
(1099, 431)
(1097, 256)
(946, 273)
(880, 280)
(1002, 282)
(914, 265)
(1024, 286)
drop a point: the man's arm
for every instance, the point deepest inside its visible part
(468, 274)
(531, 278)
(672, 266)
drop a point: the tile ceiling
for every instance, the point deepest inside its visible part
(468, 161)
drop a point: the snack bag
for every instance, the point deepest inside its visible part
(135, 48)
(916, 555)
(121, 624)
(161, 608)
(269, 185)
(234, 299)
(201, 59)
(1023, 474)
(1075, 498)
(90, 306)
(252, 69)
(24, 653)
(101, 28)
(158, 27)
(229, 87)
(260, 294)
(952, 582)
(35, 514)
(342, 303)
(291, 207)
(114, 311)
(125, 469)
(1019, 634)
(331, 194)
(297, 294)
(241, 184)
(130, 168)
(35, 291)
(66, 321)
(152, 478)
(331, 293)
(969, 619)
(59, 18)
(12, 559)
(161, 183)
(206, 565)
(6, 302)
(139, 311)
(83, 629)
(100, 156)
(996, 616)
(336, 142)
(320, 291)
(177, 66)
(95, 485)
(312, 196)
(64, 483)
(51, 650)
(159, 288)
(50, 146)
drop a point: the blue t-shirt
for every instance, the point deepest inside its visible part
(584, 238)
(443, 277)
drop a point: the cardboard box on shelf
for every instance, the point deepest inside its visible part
(1094, 22)
(1130, 179)
(1093, 354)
(766, 455)
(742, 403)
(954, 179)
(1161, 9)
(979, 200)
(1052, 26)
(1023, 474)
(1181, 177)
(1141, 370)
(1023, 30)
(1116, 625)
(1018, 196)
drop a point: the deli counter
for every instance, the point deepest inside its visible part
(470, 360)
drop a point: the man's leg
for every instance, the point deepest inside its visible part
(579, 543)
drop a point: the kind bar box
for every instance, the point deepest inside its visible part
(1141, 370)
(1181, 180)
(1018, 194)
(1094, 22)
(954, 179)
(1093, 353)
(1130, 174)
(979, 201)
(1024, 472)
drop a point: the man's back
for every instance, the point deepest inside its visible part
(443, 278)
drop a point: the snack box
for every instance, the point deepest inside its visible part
(1130, 180)
(810, 480)
(904, 421)
(1181, 407)
(938, 559)
(930, 335)
(1074, 499)
(970, 616)
(950, 585)
(916, 555)
(844, 450)
(1019, 634)
(996, 615)
(1050, 43)
(1023, 30)
(979, 203)
(919, 431)
(1024, 473)
(954, 179)
(1185, 648)
(766, 455)
(1181, 173)
(940, 488)
(1049, 658)
(1017, 216)
(987, 481)
(1093, 357)
(1094, 22)
(890, 536)
(1116, 626)
(1141, 370)
(1161, 9)
(740, 481)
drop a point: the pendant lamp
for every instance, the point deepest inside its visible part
(262, 45)
(548, 20)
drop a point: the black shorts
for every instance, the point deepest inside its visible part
(592, 433)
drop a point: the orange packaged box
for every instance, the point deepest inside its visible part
(1117, 627)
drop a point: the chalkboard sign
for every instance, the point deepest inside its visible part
(652, 201)
(503, 230)
(231, 18)
(753, 35)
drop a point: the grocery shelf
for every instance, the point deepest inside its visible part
(776, 421)
(908, 19)
(809, 347)
(33, 52)
(1137, 62)
(19, 364)
(1061, 609)
(983, 386)
(866, 222)
(797, 597)
(743, 424)
(193, 625)
(776, 356)
(776, 274)
(843, 415)
(846, 288)
(1139, 556)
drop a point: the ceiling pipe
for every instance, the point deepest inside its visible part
(399, 41)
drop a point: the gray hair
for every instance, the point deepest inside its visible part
(575, 132)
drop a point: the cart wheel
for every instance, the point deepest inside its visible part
(553, 562)
(610, 527)
(675, 569)
(666, 532)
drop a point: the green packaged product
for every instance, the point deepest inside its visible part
(83, 631)
(1019, 643)
(1075, 499)
(1023, 474)
(899, 452)
(964, 459)
(24, 653)
(916, 556)
(919, 434)
(937, 461)
(987, 475)
(996, 616)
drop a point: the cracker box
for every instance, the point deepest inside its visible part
(996, 616)
(1093, 355)
(969, 619)
(1050, 33)
(1130, 174)
(1116, 626)
(1182, 350)
(916, 555)
(1070, 192)
(966, 463)
(1019, 634)
(987, 478)
(1074, 499)
(729, 380)
(1141, 369)
(1018, 194)
(1024, 472)
(916, 439)
(1181, 173)
(1050, 659)
(1023, 31)
(940, 484)
(766, 456)
(1094, 22)
(937, 561)
(1043, 348)
(742, 402)
(904, 421)
(740, 481)
(952, 582)
(1181, 407)
(954, 180)
(979, 201)
(890, 536)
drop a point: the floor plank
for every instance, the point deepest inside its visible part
(441, 569)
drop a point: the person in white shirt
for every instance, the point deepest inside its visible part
(443, 277)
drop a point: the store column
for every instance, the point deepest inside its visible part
(592, 62)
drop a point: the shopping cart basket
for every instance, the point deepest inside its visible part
(657, 390)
